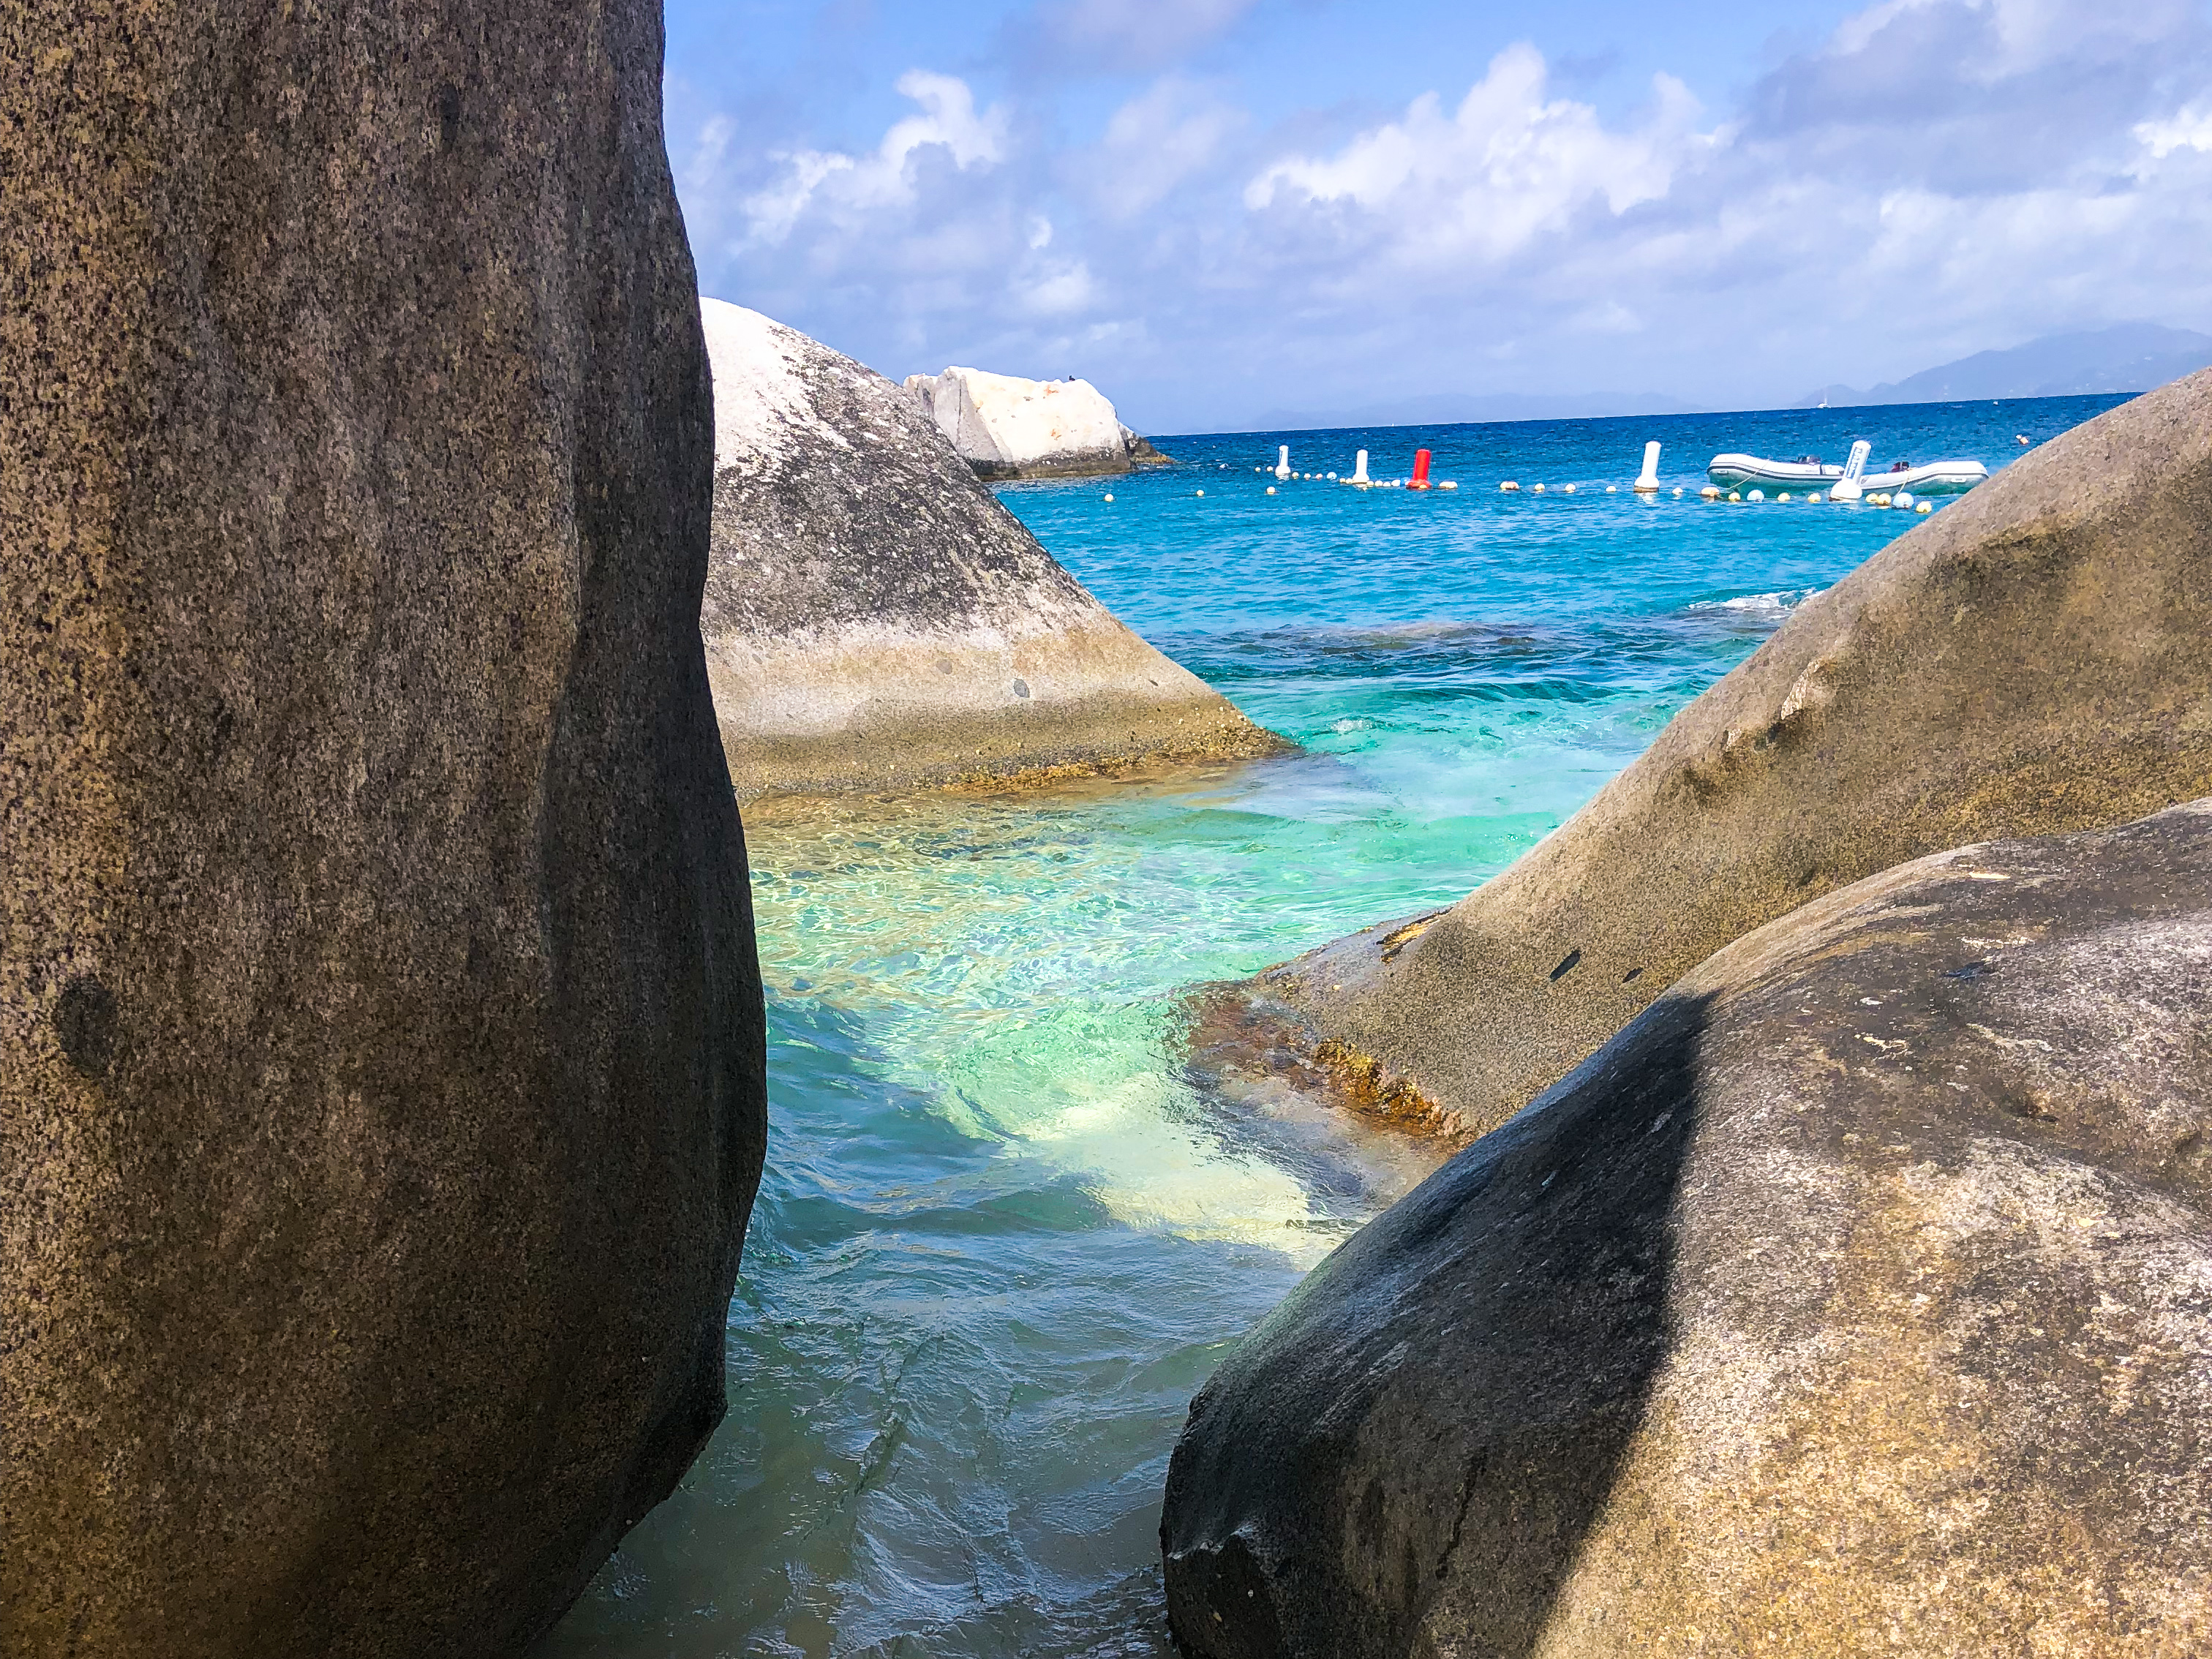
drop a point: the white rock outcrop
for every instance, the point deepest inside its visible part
(1005, 427)
(875, 618)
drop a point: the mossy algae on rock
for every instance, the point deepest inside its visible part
(2036, 658)
(1855, 1298)
(380, 1041)
(875, 619)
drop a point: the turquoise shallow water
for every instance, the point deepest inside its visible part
(1003, 1237)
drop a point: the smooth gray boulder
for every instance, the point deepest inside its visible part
(1007, 426)
(1856, 1298)
(875, 620)
(2036, 658)
(380, 1041)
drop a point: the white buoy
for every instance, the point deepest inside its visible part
(1271, 489)
(1331, 477)
(1109, 496)
(1852, 485)
(1539, 490)
(1735, 495)
(1283, 463)
(1359, 469)
(1784, 496)
(1201, 493)
(1569, 490)
(1903, 498)
(1678, 492)
(1613, 490)
(1755, 496)
(1448, 483)
(1711, 492)
(1815, 498)
(1508, 488)
(1649, 478)
(1924, 508)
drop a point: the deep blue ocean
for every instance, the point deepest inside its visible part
(1003, 1238)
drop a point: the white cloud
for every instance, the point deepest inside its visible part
(1152, 143)
(885, 177)
(1507, 166)
(1936, 177)
(1056, 290)
(2017, 36)
(2190, 129)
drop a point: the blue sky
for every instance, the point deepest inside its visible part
(1215, 209)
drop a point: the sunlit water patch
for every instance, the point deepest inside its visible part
(1003, 1237)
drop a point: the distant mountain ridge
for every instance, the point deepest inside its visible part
(2130, 357)
(1455, 409)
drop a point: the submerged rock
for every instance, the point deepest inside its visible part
(1855, 1298)
(875, 618)
(381, 1042)
(2037, 658)
(1005, 427)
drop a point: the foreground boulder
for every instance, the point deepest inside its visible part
(1855, 1299)
(2037, 658)
(380, 1046)
(1005, 427)
(875, 619)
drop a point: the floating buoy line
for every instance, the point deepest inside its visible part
(1845, 485)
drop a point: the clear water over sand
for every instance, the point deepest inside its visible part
(1003, 1237)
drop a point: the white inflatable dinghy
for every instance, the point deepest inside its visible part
(1936, 478)
(1737, 470)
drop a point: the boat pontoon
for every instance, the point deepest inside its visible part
(1735, 470)
(1936, 478)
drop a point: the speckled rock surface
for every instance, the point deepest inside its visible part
(381, 1095)
(875, 620)
(1855, 1299)
(2036, 658)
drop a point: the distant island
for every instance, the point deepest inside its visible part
(2131, 357)
(2127, 357)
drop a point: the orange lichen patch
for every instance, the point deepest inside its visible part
(1224, 742)
(1235, 1042)
(1368, 1088)
(1395, 942)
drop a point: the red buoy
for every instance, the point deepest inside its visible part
(1420, 478)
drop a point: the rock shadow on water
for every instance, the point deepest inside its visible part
(958, 1374)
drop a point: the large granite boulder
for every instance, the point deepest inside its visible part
(2036, 658)
(1007, 426)
(380, 1044)
(875, 619)
(1855, 1299)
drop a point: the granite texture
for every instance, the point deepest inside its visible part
(875, 620)
(380, 1042)
(2036, 658)
(1855, 1299)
